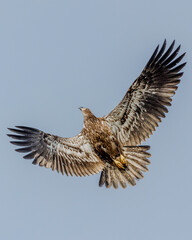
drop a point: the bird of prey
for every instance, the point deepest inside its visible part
(111, 144)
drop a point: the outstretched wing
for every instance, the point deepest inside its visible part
(144, 104)
(66, 155)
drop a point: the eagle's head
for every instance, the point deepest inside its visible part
(86, 112)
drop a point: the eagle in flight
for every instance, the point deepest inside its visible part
(111, 144)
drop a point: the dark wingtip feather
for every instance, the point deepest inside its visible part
(24, 150)
(172, 44)
(18, 137)
(178, 68)
(147, 147)
(28, 128)
(21, 143)
(21, 132)
(152, 57)
(184, 64)
(176, 61)
(11, 129)
(30, 155)
(167, 53)
(161, 51)
(164, 44)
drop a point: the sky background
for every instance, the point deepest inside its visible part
(56, 56)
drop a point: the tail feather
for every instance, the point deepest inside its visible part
(135, 172)
(136, 163)
(129, 177)
(102, 178)
(108, 178)
(114, 180)
(111, 175)
(120, 178)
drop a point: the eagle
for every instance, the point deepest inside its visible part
(111, 144)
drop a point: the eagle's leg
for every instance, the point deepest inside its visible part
(121, 162)
(118, 164)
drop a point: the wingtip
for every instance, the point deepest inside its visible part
(20, 127)
(172, 44)
(182, 55)
(25, 128)
(11, 129)
(157, 48)
(17, 150)
(147, 147)
(178, 48)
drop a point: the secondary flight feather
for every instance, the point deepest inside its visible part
(111, 144)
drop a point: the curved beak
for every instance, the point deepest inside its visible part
(80, 108)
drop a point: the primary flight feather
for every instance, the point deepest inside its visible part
(110, 144)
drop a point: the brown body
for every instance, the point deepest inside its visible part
(101, 137)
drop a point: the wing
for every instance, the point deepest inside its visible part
(144, 104)
(66, 155)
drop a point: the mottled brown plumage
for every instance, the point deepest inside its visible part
(100, 135)
(110, 144)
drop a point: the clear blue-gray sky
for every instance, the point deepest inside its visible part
(56, 56)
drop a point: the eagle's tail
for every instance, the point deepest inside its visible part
(136, 161)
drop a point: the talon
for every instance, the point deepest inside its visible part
(118, 164)
(123, 160)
